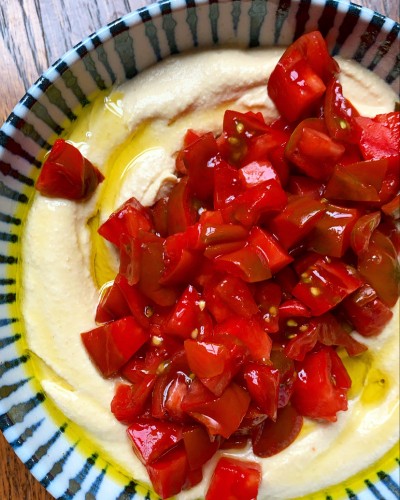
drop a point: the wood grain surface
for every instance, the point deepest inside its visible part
(33, 34)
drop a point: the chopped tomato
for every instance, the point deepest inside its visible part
(111, 345)
(129, 400)
(67, 174)
(321, 385)
(271, 437)
(234, 479)
(262, 382)
(199, 447)
(112, 304)
(362, 231)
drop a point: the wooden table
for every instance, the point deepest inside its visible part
(33, 34)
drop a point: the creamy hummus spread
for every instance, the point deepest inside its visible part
(132, 134)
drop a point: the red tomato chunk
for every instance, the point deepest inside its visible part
(236, 289)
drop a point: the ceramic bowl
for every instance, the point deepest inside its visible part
(52, 448)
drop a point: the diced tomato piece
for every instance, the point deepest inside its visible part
(380, 136)
(302, 343)
(339, 114)
(287, 374)
(326, 283)
(130, 254)
(312, 150)
(112, 304)
(248, 206)
(199, 159)
(129, 400)
(380, 268)
(270, 437)
(250, 331)
(262, 382)
(220, 415)
(181, 212)
(185, 317)
(366, 312)
(268, 296)
(159, 212)
(332, 232)
(362, 231)
(392, 208)
(256, 172)
(152, 438)
(296, 220)
(199, 447)
(320, 390)
(215, 362)
(332, 333)
(227, 184)
(358, 181)
(139, 305)
(292, 308)
(247, 263)
(111, 345)
(270, 248)
(300, 185)
(67, 174)
(236, 294)
(126, 222)
(235, 479)
(169, 473)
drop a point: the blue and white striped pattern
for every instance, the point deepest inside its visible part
(49, 446)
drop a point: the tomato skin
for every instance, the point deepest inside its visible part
(220, 415)
(234, 479)
(270, 437)
(262, 382)
(185, 316)
(151, 438)
(392, 208)
(324, 284)
(367, 313)
(380, 268)
(199, 447)
(126, 222)
(137, 303)
(296, 220)
(180, 212)
(112, 304)
(270, 248)
(67, 174)
(129, 400)
(312, 150)
(380, 136)
(111, 345)
(169, 473)
(320, 390)
(362, 231)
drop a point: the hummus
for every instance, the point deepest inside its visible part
(131, 134)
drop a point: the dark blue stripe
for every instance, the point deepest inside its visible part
(44, 448)
(351, 494)
(394, 72)
(6, 390)
(128, 492)
(57, 468)
(41, 112)
(55, 97)
(71, 81)
(8, 259)
(214, 16)
(15, 148)
(12, 238)
(123, 44)
(373, 490)
(368, 38)
(257, 14)
(236, 12)
(302, 16)
(384, 47)
(102, 55)
(191, 20)
(5, 366)
(8, 341)
(391, 485)
(282, 13)
(169, 25)
(151, 32)
(7, 298)
(18, 412)
(7, 321)
(28, 433)
(90, 66)
(346, 28)
(28, 130)
(9, 193)
(75, 484)
(328, 16)
(9, 219)
(95, 486)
